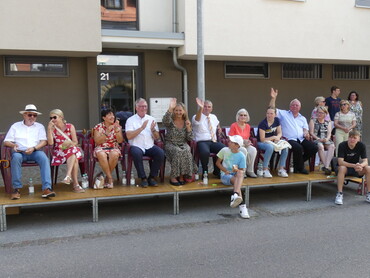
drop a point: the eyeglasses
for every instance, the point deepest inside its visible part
(54, 117)
(243, 115)
(142, 106)
(343, 104)
(32, 115)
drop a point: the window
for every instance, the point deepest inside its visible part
(301, 71)
(36, 66)
(352, 72)
(246, 70)
(112, 4)
(119, 14)
(362, 3)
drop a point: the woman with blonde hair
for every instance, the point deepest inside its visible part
(344, 121)
(320, 130)
(63, 137)
(242, 128)
(177, 149)
(319, 102)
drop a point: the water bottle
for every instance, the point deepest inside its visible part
(260, 170)
(124, 180)
(31, 188)
(132, 179)
(196, 176)
(205, 178)
(85, 181)
(291, 168)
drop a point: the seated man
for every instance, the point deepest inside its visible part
(26, 138)
(295, 128)
(141, 130)
(205, 126)
(352, 161)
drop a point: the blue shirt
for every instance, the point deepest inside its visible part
(229, 159)
(269, 130)
(292, 127)
(333, 105)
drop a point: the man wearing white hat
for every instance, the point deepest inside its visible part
(27, 138)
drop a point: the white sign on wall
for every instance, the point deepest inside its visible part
(158, 107)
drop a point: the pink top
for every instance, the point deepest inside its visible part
(235, 129)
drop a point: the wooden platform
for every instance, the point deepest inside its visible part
(66, 196)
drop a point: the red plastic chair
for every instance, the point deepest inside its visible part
(83, 162)
(6, 154)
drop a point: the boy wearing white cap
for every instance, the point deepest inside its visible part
(232, 163)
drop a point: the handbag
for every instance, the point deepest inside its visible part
(67, 143)
(99, 181)
(280, 145)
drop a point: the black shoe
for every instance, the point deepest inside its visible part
(326, 171)
(182, 182)
(175, 183)
(216, 174)
(152, 181)
(144, 183)
(303, 171)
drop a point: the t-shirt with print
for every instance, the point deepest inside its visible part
(333, 105)
(269, 130)
(354, 155)
(229, 159)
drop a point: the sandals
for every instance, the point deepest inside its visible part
(109, 184)
(78, 189)
(67, 180)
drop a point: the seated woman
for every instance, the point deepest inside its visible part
(270, 130)
(177, 150)
(107, 137)
(62, 136)
(344, 121)
(320, 130)
(242, 128)
(319, 102)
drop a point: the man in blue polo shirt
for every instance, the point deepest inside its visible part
(295, 128)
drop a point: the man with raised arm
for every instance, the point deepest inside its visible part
(295, 128)
(141, 131)
(206, 126)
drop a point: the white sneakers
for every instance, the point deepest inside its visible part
(367, 199)
(243, 211)
(267, 174)
(282, 173)
(251, 174)
(339, 199)
(235, 200)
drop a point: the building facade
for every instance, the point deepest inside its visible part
(81, 56)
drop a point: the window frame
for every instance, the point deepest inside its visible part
(319, 77)
(8, 60)
(120, 8)
(265, 65)
(360, 4)
(351, 78)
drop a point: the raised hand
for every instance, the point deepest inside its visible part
(145, 123)
(200, 102)
(173, 103)
(273, 93)
(152, 126)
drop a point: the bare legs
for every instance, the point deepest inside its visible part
(108, 161)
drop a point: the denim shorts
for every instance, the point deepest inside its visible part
(226, 179)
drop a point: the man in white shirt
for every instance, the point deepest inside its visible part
(206, 126)
(141, 131)
(27, 138)
(295, 128)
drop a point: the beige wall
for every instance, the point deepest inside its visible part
(69, 94)
(279, 30)
(155, 16)
(41, 27)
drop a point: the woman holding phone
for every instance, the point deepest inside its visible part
(107, 137)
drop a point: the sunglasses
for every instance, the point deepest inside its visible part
(32, 115)
(243, 115)
(343, 104)
(54, 117)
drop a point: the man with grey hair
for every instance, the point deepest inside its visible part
(205, 129)
(141, 131)
(295, 128)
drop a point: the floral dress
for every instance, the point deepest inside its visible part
(110, 144)
(61, 155)
(356, 108)
(177, 149)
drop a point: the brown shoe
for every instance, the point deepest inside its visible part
(15, 195)
(48, 193)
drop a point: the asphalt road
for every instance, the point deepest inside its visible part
(322, 241)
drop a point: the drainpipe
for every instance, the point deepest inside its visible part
(174, 55)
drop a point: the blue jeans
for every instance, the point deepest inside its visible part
(155, 152)
(40, 158)
(269, 150)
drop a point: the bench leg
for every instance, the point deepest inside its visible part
(246, 196)
(95, 210)
(176, 209)
(309, 191)
(3, 219)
